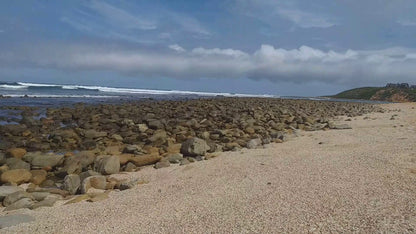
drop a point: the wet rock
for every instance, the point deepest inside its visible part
(16, 176)
(194, 147)
(71, 183)
(107, 165)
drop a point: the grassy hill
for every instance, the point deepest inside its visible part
(380, 94)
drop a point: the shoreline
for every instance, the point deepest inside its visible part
(354, 180)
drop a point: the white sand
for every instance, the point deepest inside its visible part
(359, 180)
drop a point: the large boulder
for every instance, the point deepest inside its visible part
(16, 176)
(107, 165)
(194, 147)
(71, 183)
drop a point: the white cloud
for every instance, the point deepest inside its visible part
(177, 48)
(219, 52)
(304, 64)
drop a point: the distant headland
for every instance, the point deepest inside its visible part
(392, 92)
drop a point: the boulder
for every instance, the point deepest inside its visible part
(7, 190)
(14, 197)
(16, 152)
(194, 147)
(175, 158)
(20, 204)
(93, 134)
(130, 167)
(162, 164)
(107, 165)
(125, 158)
(155, 124)
(39, 196)
(132, 149)
(184, 161)
(97, 182)
(41, 160)
(143, 160)
(158, 137)
(2, 158)
(117, 137)
(71, 183)
(38, 176)
(49, 201)
(86, 174)
(16, 176)
(16, 163)
(142, 127)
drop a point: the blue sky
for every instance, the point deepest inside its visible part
(296, 47)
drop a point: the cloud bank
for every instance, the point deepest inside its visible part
(305, 64)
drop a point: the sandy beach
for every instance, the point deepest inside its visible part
(355, 180)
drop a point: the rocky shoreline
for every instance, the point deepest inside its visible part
(72, 152)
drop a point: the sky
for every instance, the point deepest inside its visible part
(279, 47)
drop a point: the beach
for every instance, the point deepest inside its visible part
(346, 180)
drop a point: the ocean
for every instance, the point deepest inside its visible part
(42, 96)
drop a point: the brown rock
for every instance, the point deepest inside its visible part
(16, 152)
(16, 176)
(97, 182)
(38, 176)
(144, 160)
(125, 158)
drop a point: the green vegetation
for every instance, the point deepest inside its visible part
(364, 93)
(392, 94)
